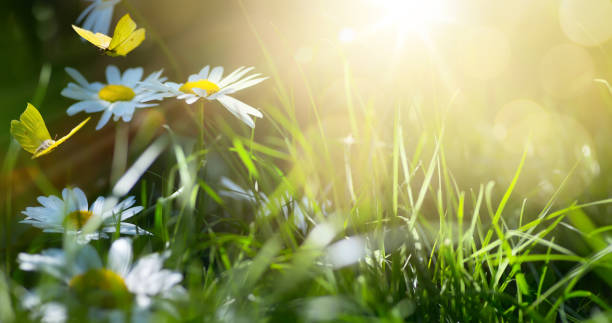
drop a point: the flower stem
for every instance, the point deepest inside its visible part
(120, 152)
(201, 125)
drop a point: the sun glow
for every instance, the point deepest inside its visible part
(414, 15)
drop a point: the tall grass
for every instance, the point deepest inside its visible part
(400, 241)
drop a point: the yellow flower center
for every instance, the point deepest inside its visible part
(205, 85)
(77, 219)
(114, 92)
(102, 288)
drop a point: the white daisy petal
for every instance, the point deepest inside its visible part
(235, 75)
(113, 76)
(127, 228)
(58, 228)
(174, 86)
(237, 105)
(100, 105)
(78, 77)
(200, 92)
(127, 117)
(165, 279)
(67, 195)
(215, 74)
(95, 87)
(120, 256)
(191, 99)
(143, 301)
(216, 95)
(37, 213)
(193, 78)
(76, 94)
(141, 280)
(244, 84)
(146, 105)
(131, 76)
(81, 106)
(97, 206)
(153, 86)
(104, 119)
(86, 258)
(240, 109)
(126, 203)
(81, 199)
(98, 15)
(103, 21)
(50, 262)
(51, 201)
(53, 312)
(146, 97)
(203, 74)
(124, 109)
(155, 76)
(90, 20)
(85, 12)
(128, 213)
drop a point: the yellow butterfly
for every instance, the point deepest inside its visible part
(125, 38)
(32, 134)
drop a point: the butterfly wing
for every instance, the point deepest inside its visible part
(125, 27)
(129, 44)
(61, 140)
(30, 131)
(100, 40)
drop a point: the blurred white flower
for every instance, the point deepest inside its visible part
(211, 86)
(120, 284)
(98, 15)
(45, 312)
(120, 97)
(298, 210)
(71, 212)
(346, 252)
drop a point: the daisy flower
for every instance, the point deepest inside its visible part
(209, 84)
(118, 98)
(117, 284)
(71, 212)
(99, 15)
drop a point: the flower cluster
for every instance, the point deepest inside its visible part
(120, 283)
(123, 93)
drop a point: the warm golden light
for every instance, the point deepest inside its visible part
(587, 23)
(414, 15)
(346, 35)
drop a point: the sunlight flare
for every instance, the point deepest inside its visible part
(414, 15)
